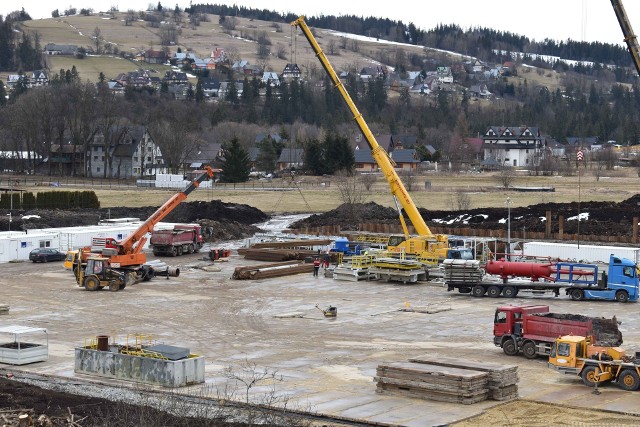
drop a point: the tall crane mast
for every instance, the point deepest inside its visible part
(629, 36)
(427, 242)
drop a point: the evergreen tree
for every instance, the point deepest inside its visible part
(236, 165)
(199, 92)
(267, 156)
(232, 92)
(3, 94)
(313, 159)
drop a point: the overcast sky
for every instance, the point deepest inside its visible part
(581, 20)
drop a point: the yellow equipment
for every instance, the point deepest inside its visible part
(98, 274)
(425, 244)
(576, 355)
(629, 36)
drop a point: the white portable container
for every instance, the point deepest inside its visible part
(581, 253)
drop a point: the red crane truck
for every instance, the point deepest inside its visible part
(183, 239)
(532, 329)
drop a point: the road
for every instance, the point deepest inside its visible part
(327, 365)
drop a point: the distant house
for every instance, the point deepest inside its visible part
(210, 87)
(513, 146)
(134, 78)
(480, 91)
(60, 49)
(399, 142)
(364, 161)
(291, 158)
(124, 152)
(270, 78)
(405, 159)
(219, 56)
(155, 57)
(66, 159)
(175, 78)
(207, 154)
(39, 78)
(224, 89)
(291, 71)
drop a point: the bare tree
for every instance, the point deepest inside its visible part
(367, 180)
(408, 179)
(506, 176)
(351, 194)
(463, 201)
(229, 24)
(129, 17)
(281, 51)
(97, 39)
(168, 34)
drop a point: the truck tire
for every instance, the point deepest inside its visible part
(114, 286)
(174, 251)
(190, 249)
(478, 291)
(91, 283)
(509, 347)
(180, 250)
(577, 294)
(493, 291)
(629, 380)
(588, 376)
(622, 296)
(529, 350)
(509, 292)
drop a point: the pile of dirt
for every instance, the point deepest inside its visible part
(596, 218)
(228, 221)
(54, 408)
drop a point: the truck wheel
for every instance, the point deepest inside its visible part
(622, 296)
(174, 251)
(509, 292)
(589, 376)
(478, 291)
(509, 347)
(179, 250)
(629, 380)
(577, 294)
(190, 249)
(91, 283)
(114, 286)
(493, 291)
(529, 350)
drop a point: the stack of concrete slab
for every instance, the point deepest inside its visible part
(441, 383)
(503, 379)
(464, 382)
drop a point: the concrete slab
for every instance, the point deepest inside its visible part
(327, 365)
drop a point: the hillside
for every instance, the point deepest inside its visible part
(201, 40)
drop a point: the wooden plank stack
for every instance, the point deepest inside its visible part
(467, 383)
(264, 271)
(503, 379)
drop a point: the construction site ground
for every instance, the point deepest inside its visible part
(327, 364)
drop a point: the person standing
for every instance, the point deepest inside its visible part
(326, 258)
(316, 266)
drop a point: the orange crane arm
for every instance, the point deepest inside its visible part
(133, 243)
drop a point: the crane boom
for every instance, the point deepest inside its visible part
(381, 157)
(134, 242)
(629, 36)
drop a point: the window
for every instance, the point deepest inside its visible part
(149, 159)
(95, 158)
(501, 317)
(98, 169)
(45, 243)
(135, 159)
(628, 271)
(564, 349)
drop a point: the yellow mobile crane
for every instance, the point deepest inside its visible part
(425, 245)
(629, 36)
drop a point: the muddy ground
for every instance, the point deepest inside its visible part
(598, 218)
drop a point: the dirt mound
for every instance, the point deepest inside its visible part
(597, 218)
(228, 221)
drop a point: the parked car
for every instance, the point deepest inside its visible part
(46, 255)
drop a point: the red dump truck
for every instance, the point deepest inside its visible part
(532, 329)
(182, 239)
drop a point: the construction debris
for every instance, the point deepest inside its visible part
(269, 254)
(292, 244)
(264, 271)
(462, 271)
(431, 379)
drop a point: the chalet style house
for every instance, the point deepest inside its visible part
(513, 146)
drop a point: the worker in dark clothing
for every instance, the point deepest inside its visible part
(326, 260)
(316, 266)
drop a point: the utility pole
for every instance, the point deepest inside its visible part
(508, 203)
